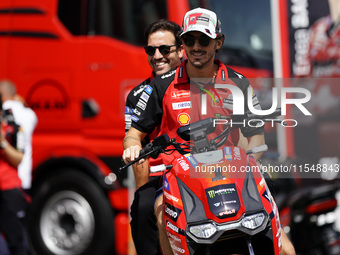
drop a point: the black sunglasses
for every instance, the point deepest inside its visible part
(202, 40)
(163, 49)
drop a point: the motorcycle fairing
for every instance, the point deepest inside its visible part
(240, 185)
(173, 200)
(190, 194)
(172, 211)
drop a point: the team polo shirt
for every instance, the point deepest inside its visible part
(132, 101)
(172, 100)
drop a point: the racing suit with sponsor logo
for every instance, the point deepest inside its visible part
(12, 199)
(170, 101)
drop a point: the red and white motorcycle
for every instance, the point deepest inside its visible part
(215, 197)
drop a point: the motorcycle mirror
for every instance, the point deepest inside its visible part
(188, 132)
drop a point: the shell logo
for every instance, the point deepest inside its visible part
(183, 118)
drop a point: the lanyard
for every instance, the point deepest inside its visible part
(212, 97)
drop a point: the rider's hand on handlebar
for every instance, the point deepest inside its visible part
(131, 154)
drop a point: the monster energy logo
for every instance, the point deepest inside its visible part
(211, 193)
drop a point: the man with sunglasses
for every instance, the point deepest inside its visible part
(164, 52)
(170, 101)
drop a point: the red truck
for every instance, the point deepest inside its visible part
(74, 63)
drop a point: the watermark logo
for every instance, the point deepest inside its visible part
(238, 96)
(232, 96)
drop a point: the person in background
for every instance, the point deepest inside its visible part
(27, 119)
(13, 203)
(164, 52)
(324, 47)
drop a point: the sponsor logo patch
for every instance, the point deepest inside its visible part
(144, 96)
(192, 160)
(227, 153)
(178, 249)
(266, 196)
(141, 104)
(181, 105)
(172, 211)
(228, 101)
(183, 118)
(239, 75)
(174, 228)
(180, 94)
(136, 112)
(227, 212)
(223, 200)
(237, 153)
(127, 117)
(173, 237)
(166, 184)
(128, 110)
(148, 90)
(134, 118)
(183, 164)
(141, 88)
(172, 198)
(168, 74)
(180, 75)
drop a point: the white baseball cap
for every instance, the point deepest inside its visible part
(201, 20)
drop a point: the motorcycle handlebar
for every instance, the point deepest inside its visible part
(147, 149)
(157, 146)
(152, 149)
